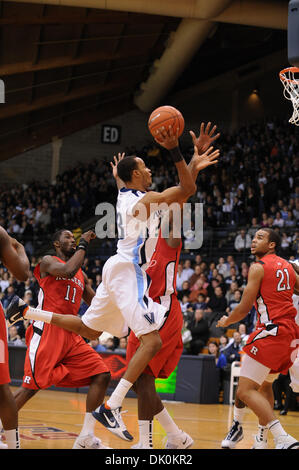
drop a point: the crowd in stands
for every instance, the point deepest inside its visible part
(255, 184)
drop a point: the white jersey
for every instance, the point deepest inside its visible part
(137, 239)
(122, 300)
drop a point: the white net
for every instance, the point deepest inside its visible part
(290, 79)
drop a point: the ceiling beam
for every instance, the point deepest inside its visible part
(54, 100)
(81, 120)
(263, 13)
(106, 17)
(60, 62)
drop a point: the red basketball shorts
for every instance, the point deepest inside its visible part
(58, 357)
(4, 364)
(166, 360)
(274, 345)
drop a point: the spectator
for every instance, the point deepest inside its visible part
(14, 337)
(179, 278)
(109, 344)
(8, 296)
(186, 338)
(285, 242)
(187, 270)
(4, 281)
(22, 328)
(213, 349)
(185, 290)
(232, 277)
(278, 221)
(222, 267)
(200, 332)
(217, 303)
(232, 353)
(97, 346)
(233, 303)
(195, 276)
(243, 277)
(122, 346)
(200, 302)
(231, 291)
(253, 228)
(223, 342)
(242, 241)
(242, 329)
(185, 304)
(196, 290)
(290, 220)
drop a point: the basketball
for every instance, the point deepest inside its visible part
(166, 116)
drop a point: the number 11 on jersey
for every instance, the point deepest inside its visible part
(72, 296)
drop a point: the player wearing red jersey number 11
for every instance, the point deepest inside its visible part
(58, 357)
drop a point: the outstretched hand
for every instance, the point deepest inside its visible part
(206, 137)
(222, 322)
(114, 164)
(206, 159)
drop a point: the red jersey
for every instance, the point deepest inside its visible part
(60, 295)
(274, 302)
(163, 269)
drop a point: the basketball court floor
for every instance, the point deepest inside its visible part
(53, 419)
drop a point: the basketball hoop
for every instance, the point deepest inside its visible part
(291, 90)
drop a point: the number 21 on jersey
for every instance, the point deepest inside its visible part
(284, 279)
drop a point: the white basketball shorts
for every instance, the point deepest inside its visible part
(121, 301)
(256, 371)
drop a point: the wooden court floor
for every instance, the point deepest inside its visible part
(53, 419)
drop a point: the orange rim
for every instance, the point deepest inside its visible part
(289, 69)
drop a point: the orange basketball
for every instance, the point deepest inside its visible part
(166, 116)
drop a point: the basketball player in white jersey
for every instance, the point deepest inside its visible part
(121, 300)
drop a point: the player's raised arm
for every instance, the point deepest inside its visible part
(186, 187)
(120, 184)
(13, 256)
(170, 141)
(51, 265)
(255, 277)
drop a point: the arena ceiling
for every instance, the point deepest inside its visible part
(66, 68)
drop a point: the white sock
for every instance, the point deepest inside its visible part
(88, 425)
(12, 438)
(119, 393)
(167, 422)
(262, 433)
(39, 315)
(239, 414)
(146, 433)
(276, 429)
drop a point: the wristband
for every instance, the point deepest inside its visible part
(176, 154)
(83, 245)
